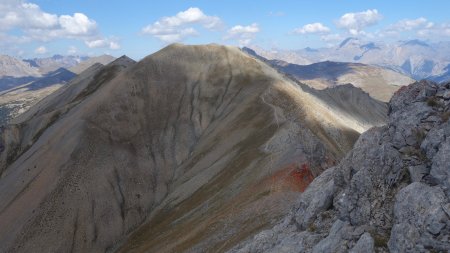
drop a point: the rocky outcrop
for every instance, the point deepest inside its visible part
(389, 194)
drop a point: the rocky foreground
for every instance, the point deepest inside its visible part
(389, 194)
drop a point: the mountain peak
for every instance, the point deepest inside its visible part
(123, 61)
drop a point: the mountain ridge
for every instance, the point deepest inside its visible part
(389, 194)
(379, 82)
(134, 159)
(415, 58)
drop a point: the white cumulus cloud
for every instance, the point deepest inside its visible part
(103, 43)
(40, 50)
(178, 27)
(332, 38)
(72, 50)
(78, 24)
(314, 28)
(355, 22)
(34, 22)
(38, 25)
(243, 34)
(418, 24)
(432, 30)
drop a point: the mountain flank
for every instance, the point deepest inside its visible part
(389, 194)
(380, 83)
(414, 58)
(173, 153)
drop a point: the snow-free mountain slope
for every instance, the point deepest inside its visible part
(173, 153)
(415, 58)
(389, 194)
(12, 67)
(82, 66)
(48, 64)
(380, 83)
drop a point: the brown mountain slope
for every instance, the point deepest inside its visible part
(82, 66)
(192, 149)
(379, 82)
(389, 194)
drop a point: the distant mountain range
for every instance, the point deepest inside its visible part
(13, 67)
(379, 82)
(415, 58)
(25, 82)
(78, 63)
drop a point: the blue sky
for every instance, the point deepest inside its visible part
(39, 28)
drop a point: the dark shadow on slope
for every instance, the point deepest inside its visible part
(9, 82)
(59, 76)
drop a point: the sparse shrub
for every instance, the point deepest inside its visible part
(380, 241)
(445, 116)
(312, 227)
(415, 152)
(419, 134)
(433, 101)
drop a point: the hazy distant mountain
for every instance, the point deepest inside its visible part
(15, 72)
(12, 67)
(25, 82)
(82, 66)
(379, 82)
(55, 62)
(443, 77)
(418, 59)
(76, 64)
(285, 55)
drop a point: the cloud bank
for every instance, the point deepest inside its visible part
(38, 25)
(178, 27)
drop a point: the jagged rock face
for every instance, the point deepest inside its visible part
(192, 149)
(390, 193)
